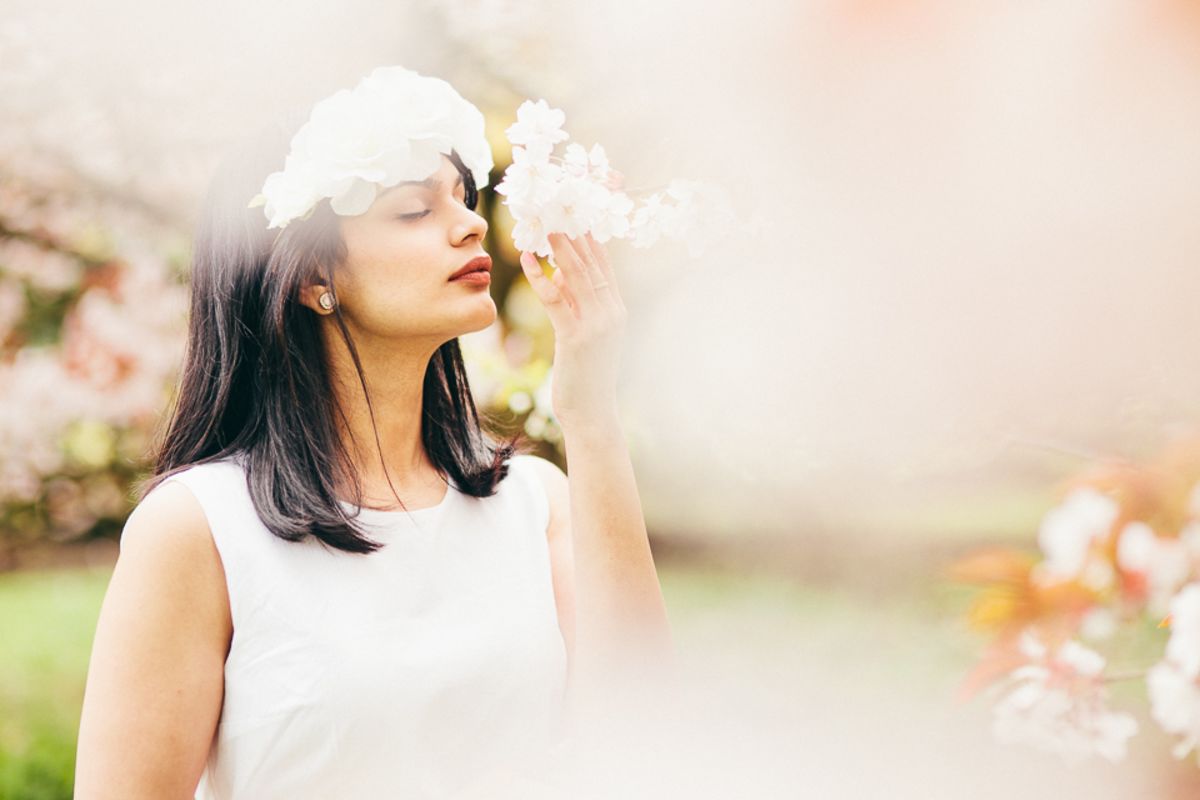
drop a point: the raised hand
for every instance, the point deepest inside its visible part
(581, 298)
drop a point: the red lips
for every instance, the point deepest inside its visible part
(477, 264)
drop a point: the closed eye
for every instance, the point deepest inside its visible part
(418, 214)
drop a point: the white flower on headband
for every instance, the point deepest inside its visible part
(394, 126)
(581, 194)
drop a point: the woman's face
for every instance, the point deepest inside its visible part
(400, 255)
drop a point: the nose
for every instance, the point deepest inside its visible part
(471, 224)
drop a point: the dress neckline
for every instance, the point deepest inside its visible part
(381, 515)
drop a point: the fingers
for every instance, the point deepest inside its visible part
(571, 263)
(604, 268)
(589, 274)
(584, 281)
(600, 256)
(554, 294)
(560, 282)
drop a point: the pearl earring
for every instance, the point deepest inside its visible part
(326, 301)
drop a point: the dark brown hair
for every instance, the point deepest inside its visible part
(254, 383)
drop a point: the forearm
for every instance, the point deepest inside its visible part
(620, 617)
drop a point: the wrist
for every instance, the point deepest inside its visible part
(604, 423)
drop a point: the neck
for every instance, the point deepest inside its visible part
(394, 374)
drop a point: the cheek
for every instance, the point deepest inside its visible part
(392, 272)
(388, 296)
(384, 269)
(397, 257)
(376, 247)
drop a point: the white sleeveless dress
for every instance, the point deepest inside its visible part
(417, 671)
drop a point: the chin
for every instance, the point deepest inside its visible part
(482, 320)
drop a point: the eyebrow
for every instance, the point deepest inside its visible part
(428, 183)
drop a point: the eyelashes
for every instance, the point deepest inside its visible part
(418, 214)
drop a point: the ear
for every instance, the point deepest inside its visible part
(310, 296)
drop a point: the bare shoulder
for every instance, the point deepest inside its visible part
(168, 533)
(155, 679)
(169, 519)
(168, 545)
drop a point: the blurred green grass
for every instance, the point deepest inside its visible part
(47, 621)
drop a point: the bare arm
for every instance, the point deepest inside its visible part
(610, 604)
(622, 636)
(155, 683)
(620, 612)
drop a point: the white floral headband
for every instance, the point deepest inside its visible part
(393, 126)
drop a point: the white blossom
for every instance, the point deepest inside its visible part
(1164, 563)
(1183, 648)
(1068, 532)
(582, 163)
(612, 218)
(575, 203)
(1173, 684)
(1057, 703)
(529, 234)
(530, 179)
(583, 195)
(650, 220)
(537, 126)
(1175, 704)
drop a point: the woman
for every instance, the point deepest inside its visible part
(335, 584)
